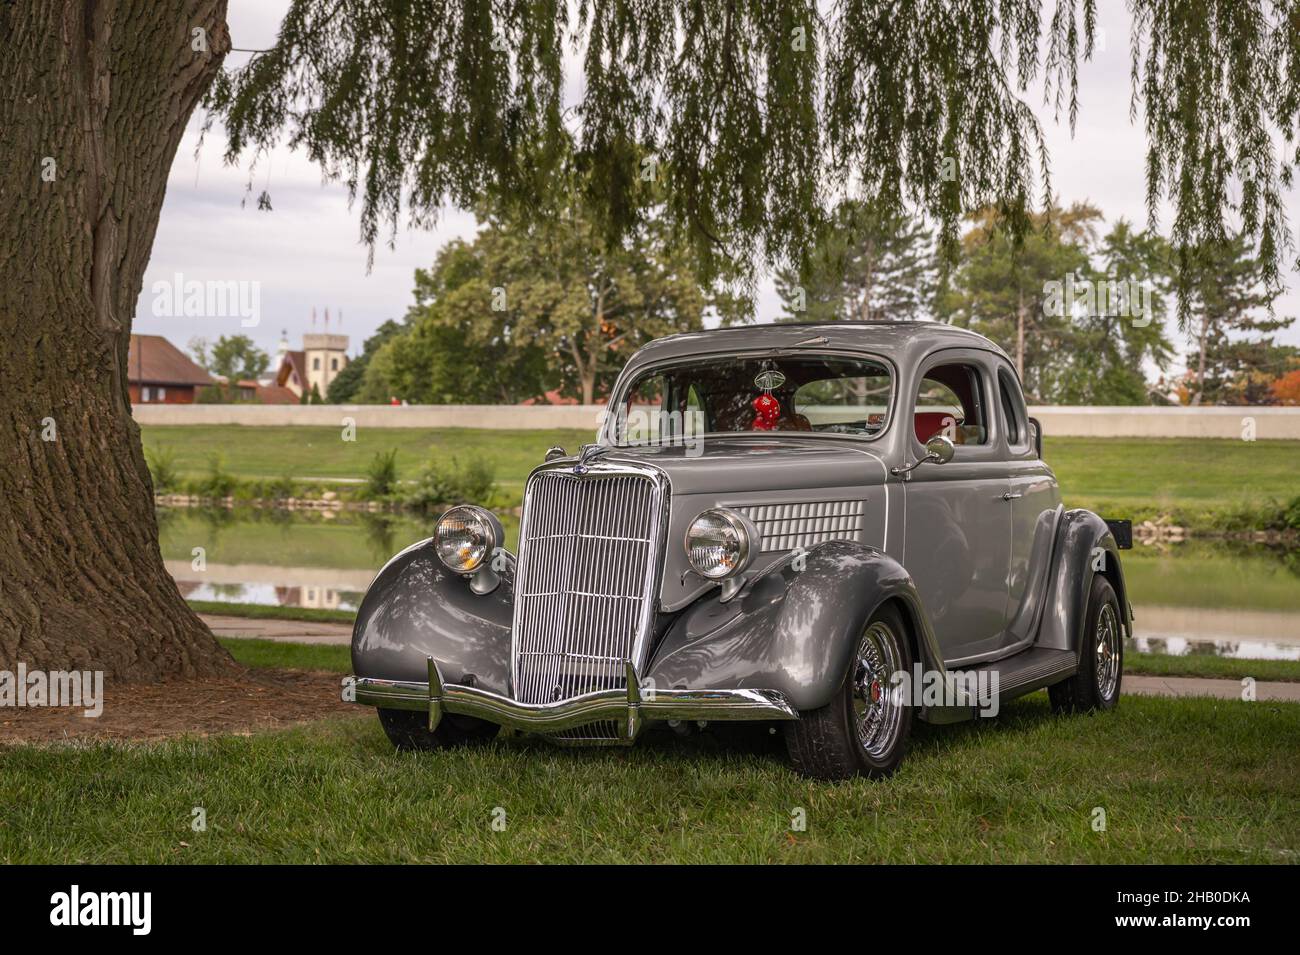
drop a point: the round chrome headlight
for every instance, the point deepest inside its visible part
(465, 538)
(720, 543)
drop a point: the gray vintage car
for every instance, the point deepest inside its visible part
(829, 529)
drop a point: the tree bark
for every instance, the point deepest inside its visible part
(1200, 361)
(96, 97)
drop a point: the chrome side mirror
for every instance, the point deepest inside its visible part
(555, 451)
(939, 449)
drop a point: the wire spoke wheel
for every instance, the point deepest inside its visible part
(877, 711)
(1107, 656)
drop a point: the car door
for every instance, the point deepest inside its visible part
(1035, 513)
(958, 521)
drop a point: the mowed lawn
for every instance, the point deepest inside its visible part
(1164, 473)
(1178, 781)
(1119, 473)
(306, 453)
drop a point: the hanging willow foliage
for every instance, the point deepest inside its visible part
(754, 117)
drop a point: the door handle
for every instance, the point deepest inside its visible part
(1012, 495)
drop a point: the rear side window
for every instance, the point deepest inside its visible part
(950, 402)
(1013, 410)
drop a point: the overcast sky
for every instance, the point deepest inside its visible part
(306, 253)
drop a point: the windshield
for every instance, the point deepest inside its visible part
(809, 393)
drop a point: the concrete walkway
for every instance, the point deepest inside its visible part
(1195, 686)
(290, 631)
(297, 631)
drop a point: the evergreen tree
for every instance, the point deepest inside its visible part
(868, 266)
(1119, 324)
(1000, 290)
(1227, 315)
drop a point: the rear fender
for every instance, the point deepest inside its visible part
(1085, 547)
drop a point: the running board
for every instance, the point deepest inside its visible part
(1029, 670)
(971, 688)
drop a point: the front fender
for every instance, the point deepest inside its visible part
(1085, 547)
(790, 630)
(416, 608)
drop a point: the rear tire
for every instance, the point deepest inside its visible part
(863, 730)
(1096, 684)
(408, 730)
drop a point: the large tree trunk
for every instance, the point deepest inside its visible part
(95, 97)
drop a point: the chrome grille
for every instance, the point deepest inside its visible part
(585, 581)
(803, 524)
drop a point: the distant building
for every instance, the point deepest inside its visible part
(267, 394)
(325, 356)
(317, 364)
(157, 372)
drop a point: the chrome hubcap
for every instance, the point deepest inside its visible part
(1107, 653)
(876, 712)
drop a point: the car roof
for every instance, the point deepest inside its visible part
(905, 342)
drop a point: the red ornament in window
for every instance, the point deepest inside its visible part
(766, 412)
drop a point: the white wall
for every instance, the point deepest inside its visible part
(1057, 420)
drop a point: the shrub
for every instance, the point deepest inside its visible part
(218, 483)
(162, 467)
(446, 482)
(381, 476)
(1291, 514)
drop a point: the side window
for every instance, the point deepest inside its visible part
(950, 401)
(1013, 410)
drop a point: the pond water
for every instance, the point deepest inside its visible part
(1206, 597)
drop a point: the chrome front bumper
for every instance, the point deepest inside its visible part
(631, 706)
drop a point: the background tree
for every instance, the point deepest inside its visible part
(1122, 330)
(453, 349)
(533, 306)
(997, 289)
(1227, 313)
(347, 383)
(235, 357)
(1286, 389)
(752, 115)
(867, 266)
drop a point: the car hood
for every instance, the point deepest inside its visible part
(732, 465)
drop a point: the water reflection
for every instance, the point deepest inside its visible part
(1195, 597)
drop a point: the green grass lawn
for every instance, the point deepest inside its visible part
(1216, 668)
(1141, 477)
(1179, 780)
(294, 656)
(310, 452)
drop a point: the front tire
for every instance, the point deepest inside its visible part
(408, 730)
(863, 730)
(1096, 684)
